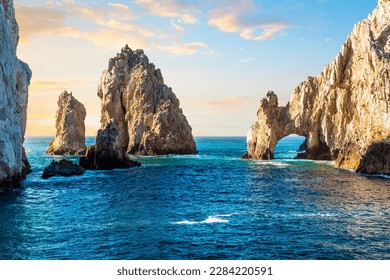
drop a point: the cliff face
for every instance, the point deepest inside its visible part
(70, 127)
(343, 110)
(148, 114)
(15, 78)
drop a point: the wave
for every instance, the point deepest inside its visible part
(210, 220)
(272, 163)
(314, 215)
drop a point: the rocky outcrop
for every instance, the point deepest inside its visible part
(63, 168)
(343, 110)
(106, 154)
(15, 78)
(377, 159)
(148, 114)
(70, 127)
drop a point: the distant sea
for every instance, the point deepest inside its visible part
(208, 206)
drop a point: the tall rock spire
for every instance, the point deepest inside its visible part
(70, 127)
(148, 113)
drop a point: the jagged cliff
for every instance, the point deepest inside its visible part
(343, 110)
(15, 78)
(148, 114)
(70, 127)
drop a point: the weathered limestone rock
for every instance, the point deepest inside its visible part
(343, 110)
(15, 78)
(70, 126)
(150, 121)
(106, 154)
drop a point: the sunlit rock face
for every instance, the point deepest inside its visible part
(70, 127)
(147, 112)
(15, 78)
(343, 110)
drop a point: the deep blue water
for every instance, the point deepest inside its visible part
(209, 206)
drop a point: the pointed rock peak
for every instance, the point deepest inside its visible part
(147, 112)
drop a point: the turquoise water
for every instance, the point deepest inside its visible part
(209, 206)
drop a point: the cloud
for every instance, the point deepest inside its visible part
(38, 20)
(185, 49)
(246, 60)
(110, 27)
(226, 101)
(119, 6)
(177, 26)
(172, 8)
(238, 17)
(42, 85)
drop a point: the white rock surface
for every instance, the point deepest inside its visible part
(343, 110)
(15, 78)
(70, 127)
(148, 114)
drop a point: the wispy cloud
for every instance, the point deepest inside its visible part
(182, 10)
(246, 60)
(226, 101)
(185, 49)
(39, 20)
(239, 17)
(110, 27)
(41, 85)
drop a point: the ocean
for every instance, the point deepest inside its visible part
(213, 205)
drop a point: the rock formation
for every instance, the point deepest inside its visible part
(64, 168)
(70, 135)
(150, 121)
(343, 110)
(106, 154)
(377, 159)
(15, 78)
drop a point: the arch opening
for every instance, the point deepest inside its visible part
(290, 147)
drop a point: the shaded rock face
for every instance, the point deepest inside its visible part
(148, 114)
(106, 154)
(70, 127)
(343, 110)
(377, 159)
(64, 168)
(15, 78)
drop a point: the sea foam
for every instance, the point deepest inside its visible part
(210, 220)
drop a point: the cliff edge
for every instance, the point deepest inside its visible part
(15, 78)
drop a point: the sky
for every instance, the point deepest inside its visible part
(219, 57)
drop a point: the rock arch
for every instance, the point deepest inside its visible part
(343, 110)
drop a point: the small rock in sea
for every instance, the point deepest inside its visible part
(246, 156)
(62, 168)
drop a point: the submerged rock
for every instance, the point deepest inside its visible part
(343, 110)
(70, 127)
(15, 78)
(106, 154)
(147, 112)
(64, 168)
